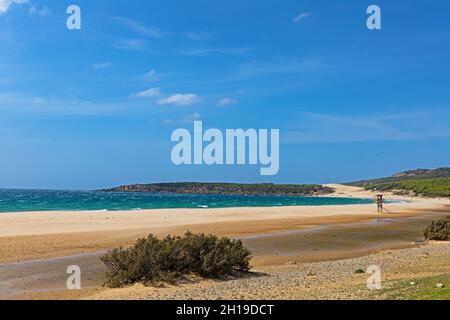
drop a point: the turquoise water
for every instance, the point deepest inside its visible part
(40, 200)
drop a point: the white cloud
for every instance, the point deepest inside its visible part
(209, 51)
(139, 27)
(101, 66)
(5, 4)
(198, 36)
(16, 103)
(41, 12)
(131, 44)
(301, 16)
(226, 102)
(278, 66)
(331, 128)
(150, 93)
(179, 99)
(151, 76)
(187, 119)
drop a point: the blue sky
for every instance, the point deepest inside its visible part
(95, 107)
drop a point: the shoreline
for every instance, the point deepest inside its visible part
(139, 210)
(200, 207)
(208, 204)
(36, 235)
(42, 244)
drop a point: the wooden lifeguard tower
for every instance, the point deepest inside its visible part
(379, 201)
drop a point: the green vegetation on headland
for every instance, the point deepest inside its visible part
(153, 260)
(427, 188)
(263, 189)
(418, 174)
(420, 182)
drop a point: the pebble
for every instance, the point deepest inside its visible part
(325, 280)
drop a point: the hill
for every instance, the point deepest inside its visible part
(438, 187)
(418, 174)
(227, 189)
(419, 182)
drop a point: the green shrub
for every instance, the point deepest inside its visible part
(439, 230)
(224, 257)
(153, 260)
(439, 187)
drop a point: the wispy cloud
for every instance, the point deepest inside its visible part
(139, 27)
(210, 51)
(180, 99)
(33, 10)
(13, 103)
(130, 44)
(187, 119)
(41, 12)
(101, 66)
(151, 76)
(226, 102)
(198, 36)
(149, 93)
(326, 128)
(301, 16)
(6, 4)
(177, 99)
(278, 66)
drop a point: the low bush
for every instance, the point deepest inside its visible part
(154, 260)
(438, 230)
(439, 187)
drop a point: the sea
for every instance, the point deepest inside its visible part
(60, 200)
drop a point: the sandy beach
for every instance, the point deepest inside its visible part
(26, 237)
(37, 235)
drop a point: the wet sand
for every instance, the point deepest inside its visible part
(403, 271)
(49, 275)
(339, 241)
